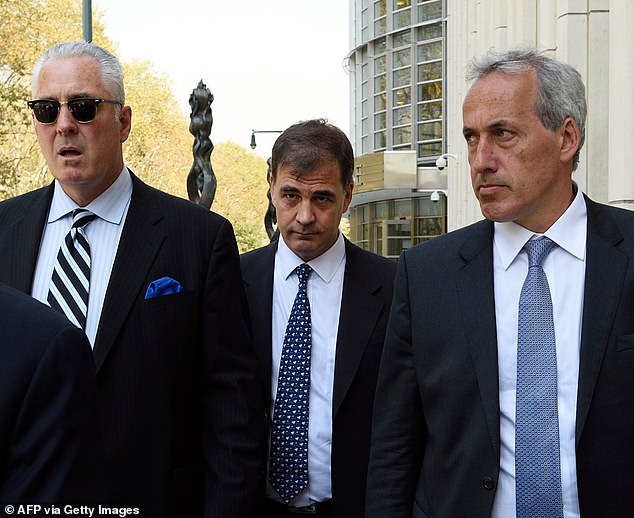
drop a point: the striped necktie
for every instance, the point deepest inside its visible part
(68, 292)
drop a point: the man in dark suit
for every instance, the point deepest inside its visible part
(349, 293)
(49, 445)
(179, 401)
(451, 409)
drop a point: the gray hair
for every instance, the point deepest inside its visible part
(111, 70)
(560, 89)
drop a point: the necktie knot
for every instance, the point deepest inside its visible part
(81, 217)
(538, 250)
(303, 271)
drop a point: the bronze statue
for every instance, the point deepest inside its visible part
(201, 181)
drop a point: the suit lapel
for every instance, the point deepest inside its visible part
(24, 236)
(141, 239)
(474, 284)
(360, 310)
(258, 280)
(605, 273)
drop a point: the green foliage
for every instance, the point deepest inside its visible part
(159, 149)
(27, 27)
(241, 194)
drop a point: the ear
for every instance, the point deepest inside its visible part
(125, 122)
(347, 197)
(571, 139)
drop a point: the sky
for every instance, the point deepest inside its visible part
(268, 63)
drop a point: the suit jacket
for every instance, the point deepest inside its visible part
(436, 443)
(366, 298)
(179, 398)
(49, 444)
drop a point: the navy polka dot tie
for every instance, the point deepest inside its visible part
(288, 469)
(537, 470)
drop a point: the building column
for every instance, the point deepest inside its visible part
(621, 104)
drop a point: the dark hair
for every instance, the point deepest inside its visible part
(309, 144)
(560, 93)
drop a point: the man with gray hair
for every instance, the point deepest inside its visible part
(155, 282)
(506, 384)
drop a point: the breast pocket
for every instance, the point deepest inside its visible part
(625, 343)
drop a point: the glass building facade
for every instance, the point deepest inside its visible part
(390, 226)
(397, 73)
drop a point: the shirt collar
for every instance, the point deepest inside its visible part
(325, 265)
(569, 232)
(109, 205)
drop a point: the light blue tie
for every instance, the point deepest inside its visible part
(537, 471)
(288, 469)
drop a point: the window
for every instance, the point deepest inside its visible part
(380, 26)
(402, 58)
(402, 135)
(430, 71)
(401, 77)
(429, 87)
(429, 11)
(401, 116)
(402, 38)
(401, 96)
(379, 140)
(429, 51)
(380, 8)
(380, 121)
(430, 110)
(390, 226)
(402, 19)
(379, 65)
(379, 102)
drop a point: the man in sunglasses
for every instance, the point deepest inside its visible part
(155, 282)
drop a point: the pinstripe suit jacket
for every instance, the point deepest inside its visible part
(179, 404)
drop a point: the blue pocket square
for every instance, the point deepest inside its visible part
(163, 286)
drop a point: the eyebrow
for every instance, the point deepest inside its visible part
(324, 193)
(501, 123)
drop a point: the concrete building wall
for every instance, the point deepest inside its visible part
(596, 37)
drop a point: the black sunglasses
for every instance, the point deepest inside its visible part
(82, 109)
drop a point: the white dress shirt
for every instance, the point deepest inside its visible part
(325, 286)
(103, 234)
(510, 267)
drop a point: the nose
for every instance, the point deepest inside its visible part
(305, 213)
(482, 156)
(65, 122)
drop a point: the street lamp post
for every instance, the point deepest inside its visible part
(87, 20)
(253, 132)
